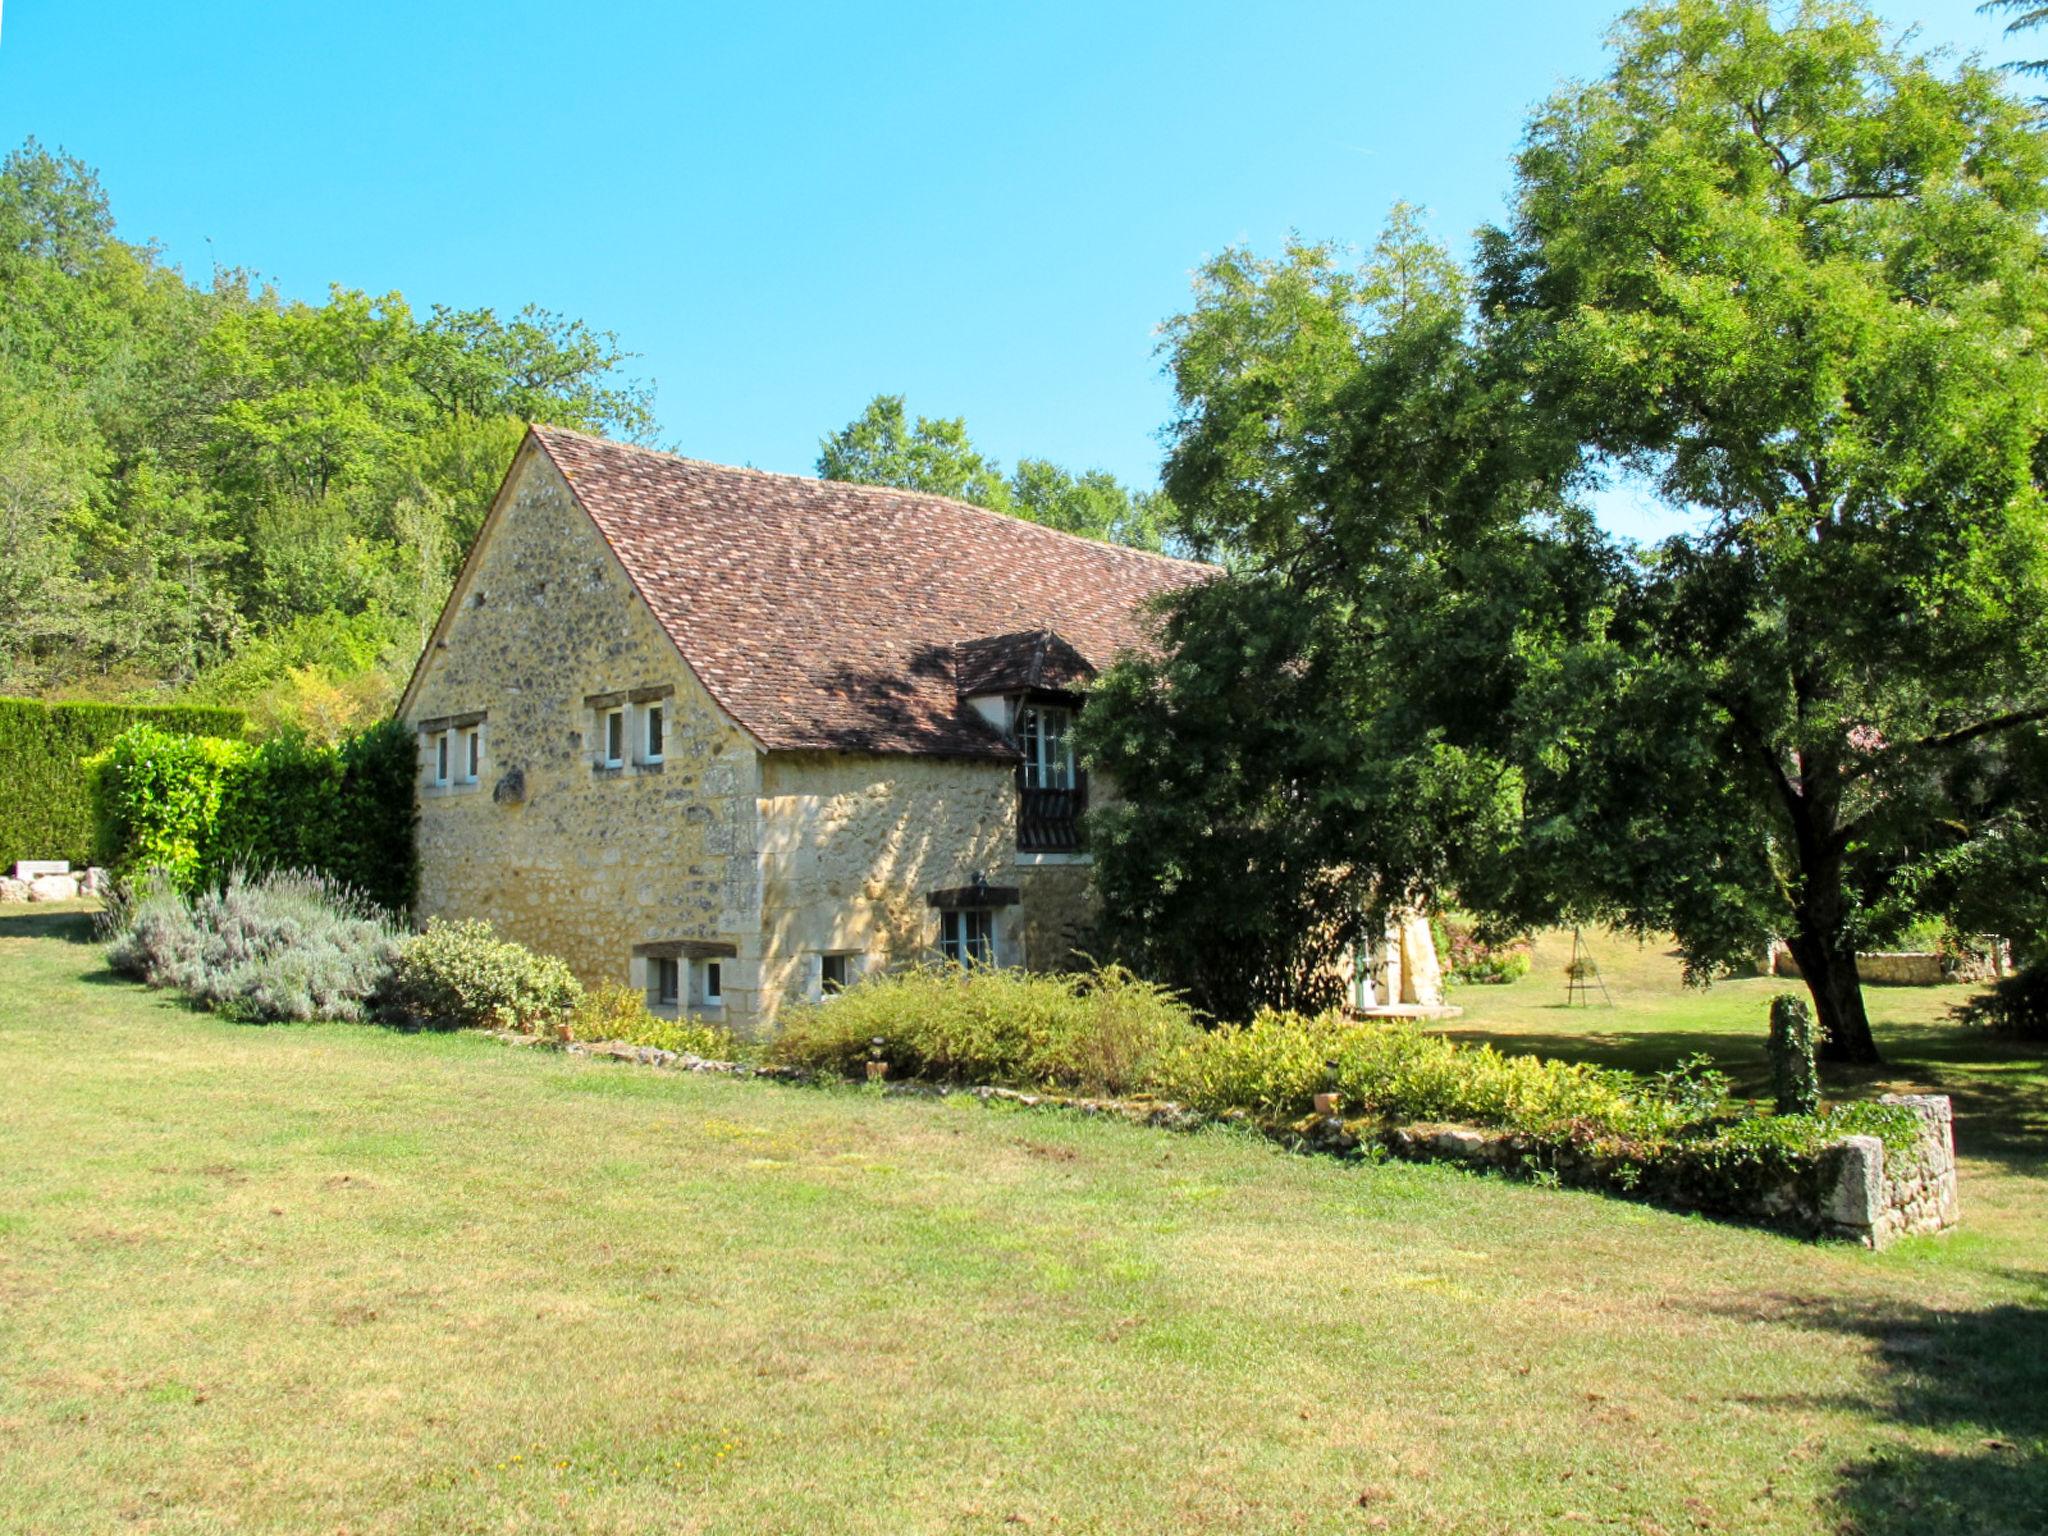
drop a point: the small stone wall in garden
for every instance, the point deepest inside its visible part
(1886, 967)
(1854, 1189)
(1878, 1195)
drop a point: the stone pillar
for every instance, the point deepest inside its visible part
(1422, 978)
(1873, 1197)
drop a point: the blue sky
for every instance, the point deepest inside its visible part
(787, 208)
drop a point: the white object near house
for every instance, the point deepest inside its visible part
(33, 869)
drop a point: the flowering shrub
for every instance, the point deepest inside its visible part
(462, 975)
(285, 945)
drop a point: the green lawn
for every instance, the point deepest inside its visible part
(341, 1279)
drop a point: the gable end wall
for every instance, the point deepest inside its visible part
(582, 864)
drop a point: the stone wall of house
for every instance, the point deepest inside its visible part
(850, 847)
(1058, 910)
(578, 860)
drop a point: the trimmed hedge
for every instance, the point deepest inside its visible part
(200, 809)
(45, 795)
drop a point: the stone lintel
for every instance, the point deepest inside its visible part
(453, 722)
(620, 696)
(687, 949)
(966, 897)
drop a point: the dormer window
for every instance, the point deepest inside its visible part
(1042, 733)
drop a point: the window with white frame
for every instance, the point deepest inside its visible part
(710, 983)
(837, 972)
(1042, 731)
(472, 754)
(967, 937)
(440, 757)
(654, 736)
(612, 738)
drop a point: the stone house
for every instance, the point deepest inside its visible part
(738, 738)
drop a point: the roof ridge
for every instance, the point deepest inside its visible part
(866, 488)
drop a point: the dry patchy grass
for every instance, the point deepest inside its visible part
(336, 1278)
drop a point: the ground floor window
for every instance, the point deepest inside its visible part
(668, 982)
(967, 937)
(837, 972)
(712, 985)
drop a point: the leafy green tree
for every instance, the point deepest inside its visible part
(185, 467)
(1095, 504)
(1343, 724)
(882, 446)
(1794, 276)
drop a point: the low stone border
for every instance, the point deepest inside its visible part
(1850, 1190)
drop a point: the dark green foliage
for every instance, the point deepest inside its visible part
(281, 946)
(1345, 723)
(1795, 1078)
(45, 794)
(200, 809)
(2016, 1005)
(1790, 272)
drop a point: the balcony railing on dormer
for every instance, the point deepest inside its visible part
(1049, 820)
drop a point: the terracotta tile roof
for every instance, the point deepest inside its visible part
(1036, 658)
(836, 617)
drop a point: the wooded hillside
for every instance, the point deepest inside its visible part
(211, 493)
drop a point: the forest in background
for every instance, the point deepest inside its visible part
(216, 495)
(212, 494)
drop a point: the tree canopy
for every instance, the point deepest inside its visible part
(1791, 275)
(1337, 727)
(884, 446)
(216, 491)
(1794, 275)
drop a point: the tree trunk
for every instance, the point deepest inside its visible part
(1829, 968)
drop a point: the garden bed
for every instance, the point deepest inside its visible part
(1854, 1188)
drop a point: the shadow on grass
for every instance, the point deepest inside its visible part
(1977, 1379)
(73, 926)
(1999, 1084)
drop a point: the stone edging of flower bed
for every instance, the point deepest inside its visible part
(1851, 1189)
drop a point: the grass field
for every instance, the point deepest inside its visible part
(334, 1278)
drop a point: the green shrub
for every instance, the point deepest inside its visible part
(2016, 1005)
(198, 808)
(615, 1011)
(463, 976)
(47, 810)
(1274, 1066)
(284, 945)
(1095, 1033)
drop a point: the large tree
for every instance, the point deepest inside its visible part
(1344, 722)
(1793, 275)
